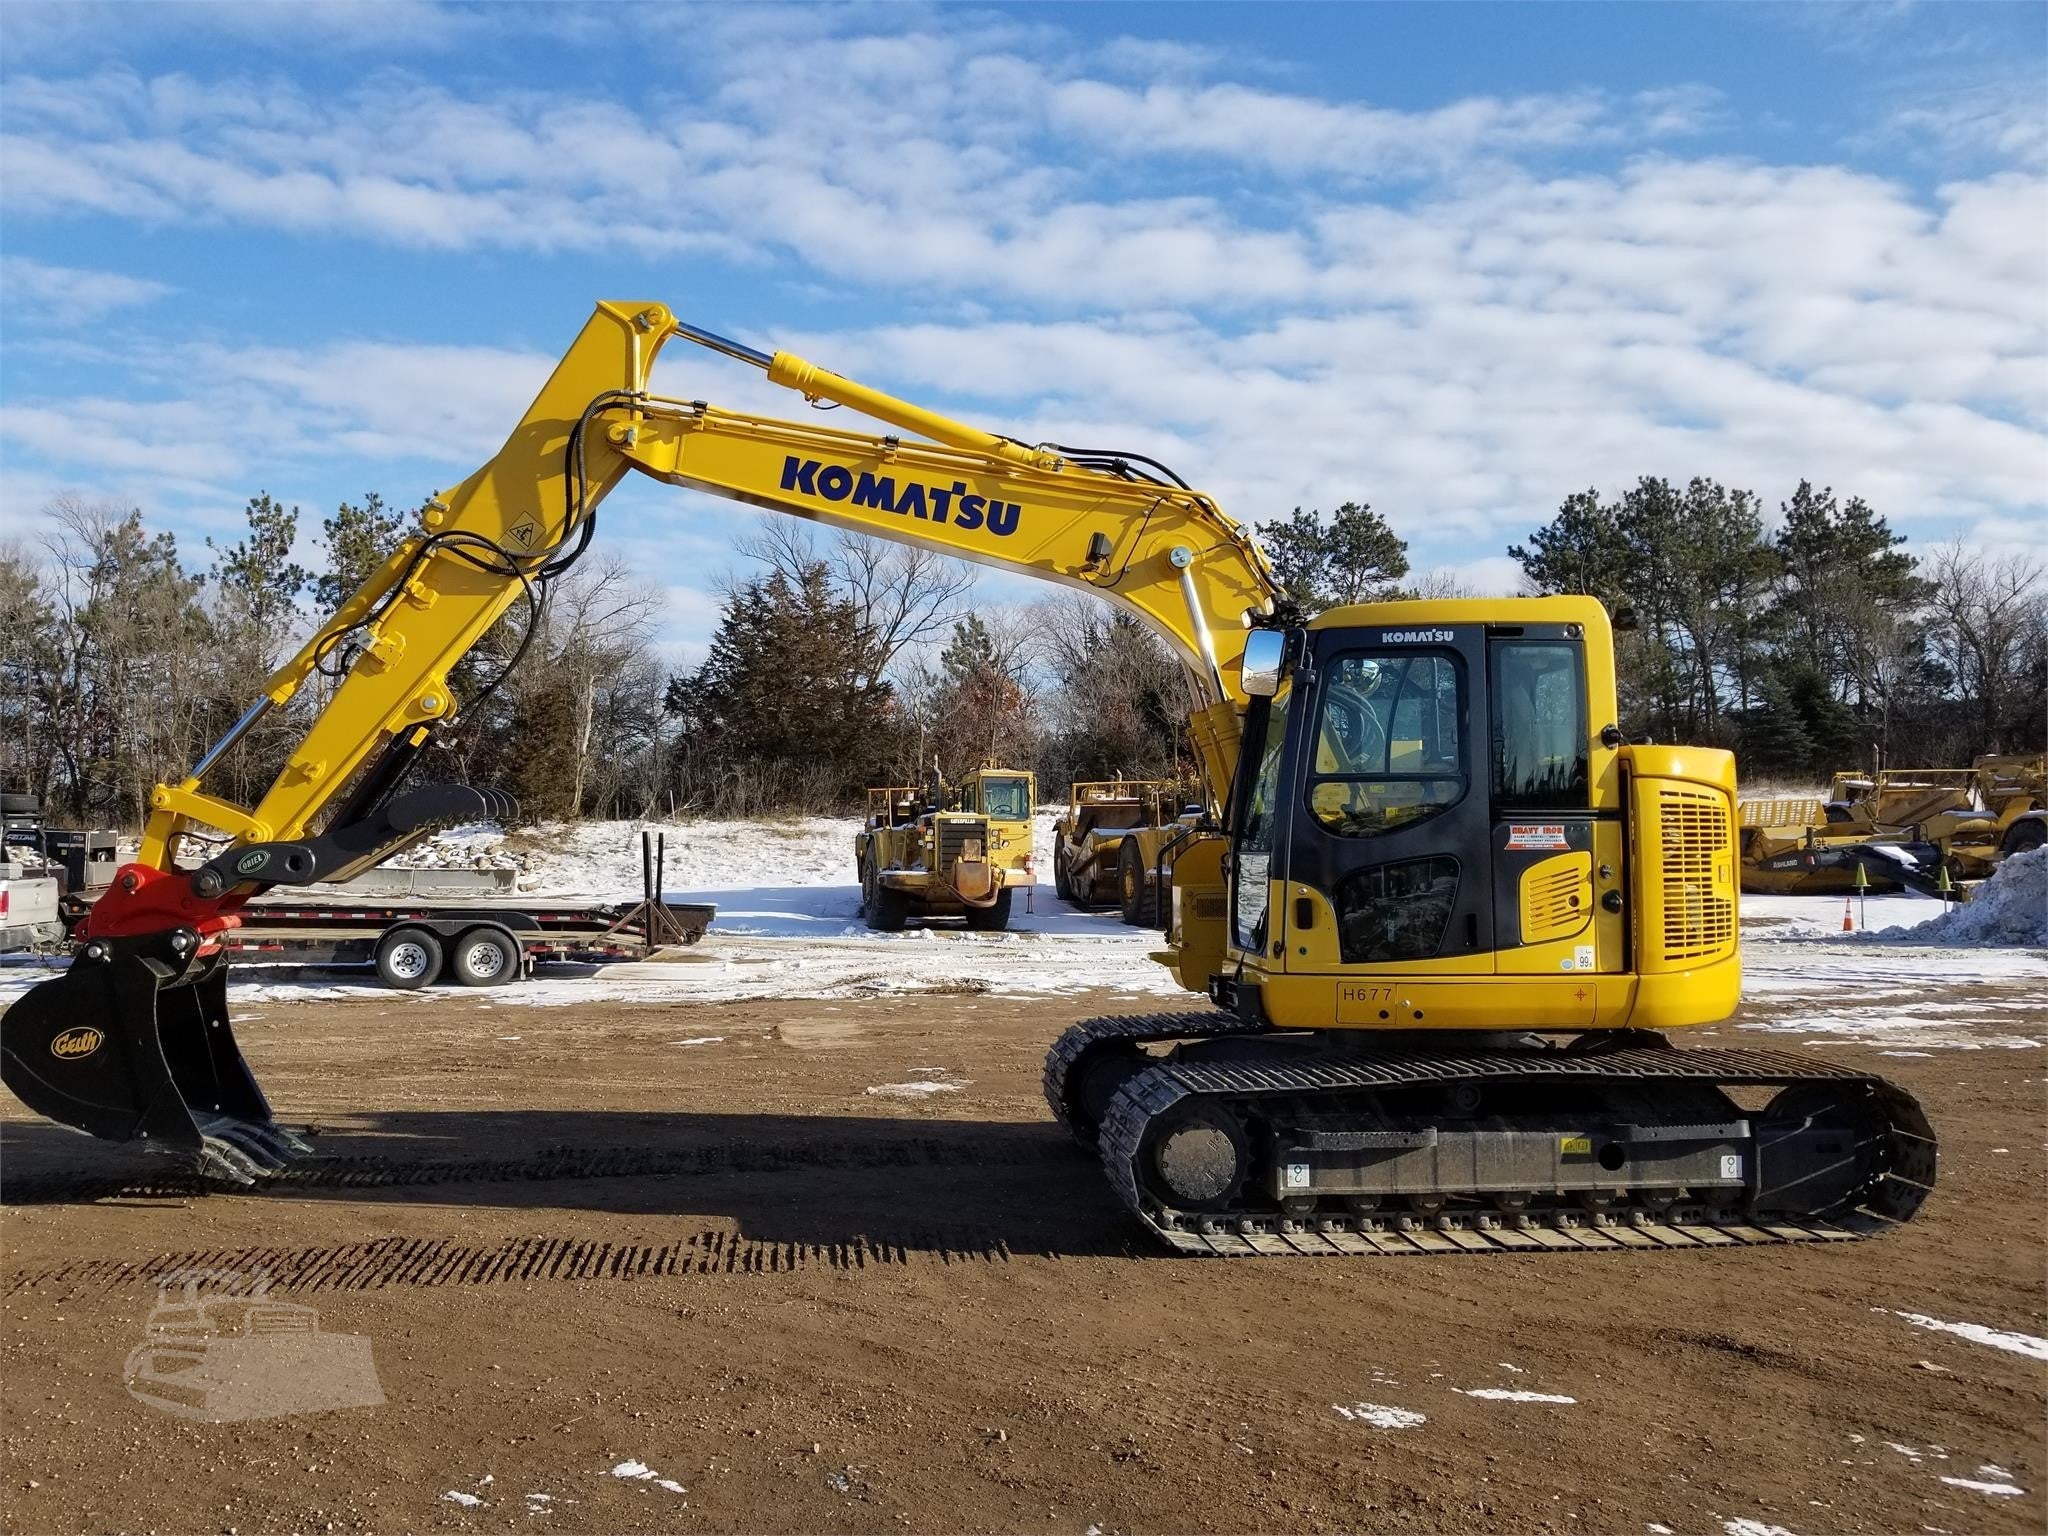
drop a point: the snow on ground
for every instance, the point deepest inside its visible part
(788, 925)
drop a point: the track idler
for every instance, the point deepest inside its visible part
(132, 1043)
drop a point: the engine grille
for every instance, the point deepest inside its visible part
(955, 832)
(1699, 905)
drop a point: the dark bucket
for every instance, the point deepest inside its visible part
(132, 1043)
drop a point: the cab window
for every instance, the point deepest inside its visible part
(1258, 832)
(1389, 746)
(1006, 799)
(1539, 727)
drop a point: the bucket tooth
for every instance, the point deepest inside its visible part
(265, 1148)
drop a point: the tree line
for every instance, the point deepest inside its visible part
(1815, 643)
(1819, 644)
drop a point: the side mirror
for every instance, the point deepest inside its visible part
(1265, 651)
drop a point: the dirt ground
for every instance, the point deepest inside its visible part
(830, 1266)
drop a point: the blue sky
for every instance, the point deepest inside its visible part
(1454, 260)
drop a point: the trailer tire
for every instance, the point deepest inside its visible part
(485, 957)
(991, 919)
(408, 959)
(1139, 902)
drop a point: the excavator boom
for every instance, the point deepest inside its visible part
(1439, 905)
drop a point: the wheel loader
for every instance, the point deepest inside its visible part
(917, 862)
(1439, 917)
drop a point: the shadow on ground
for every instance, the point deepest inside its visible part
(913, 1184)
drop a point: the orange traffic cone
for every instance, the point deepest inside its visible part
(1848, 922)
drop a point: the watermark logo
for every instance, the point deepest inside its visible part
(216, 1347)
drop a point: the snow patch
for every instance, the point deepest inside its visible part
(1747, 1527)
(639, 1471)
(700, 1040)
(1512, 1395)
(456, 1496)
(923, 1090)
(1997, 1338)
(1380, 1416)
(1992, 1490)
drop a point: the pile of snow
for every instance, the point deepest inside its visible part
(2010, 910)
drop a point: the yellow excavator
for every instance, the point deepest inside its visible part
(1441, 912)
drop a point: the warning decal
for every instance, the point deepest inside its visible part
(1522, 838)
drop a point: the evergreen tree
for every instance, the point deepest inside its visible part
(1844, 582)
(978, 712)
(1353, 558)
(1582, 550)
(255, 575)
(1774, 738)
(781, 699)
(356, 541)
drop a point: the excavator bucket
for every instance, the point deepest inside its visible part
(132, 1043)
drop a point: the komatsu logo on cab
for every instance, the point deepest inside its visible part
(1417, 636)
(932, 503)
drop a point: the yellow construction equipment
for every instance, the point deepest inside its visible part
(1440, 909)
(1935, 830)
(1113, 845)
(918, 861)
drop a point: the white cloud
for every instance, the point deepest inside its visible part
(1118, 249)
(40, 293)
(2003, 120)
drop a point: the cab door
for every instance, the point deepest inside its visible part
(1387, 839)
(1554, 857)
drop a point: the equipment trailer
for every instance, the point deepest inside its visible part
(477, 945)
(429, 935)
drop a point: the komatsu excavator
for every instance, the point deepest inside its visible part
(1443, 914)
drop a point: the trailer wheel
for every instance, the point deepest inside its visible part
(408, 958)
(485, 957)
(1140, 906)
(991, 919)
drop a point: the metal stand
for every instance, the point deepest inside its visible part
(657, 923)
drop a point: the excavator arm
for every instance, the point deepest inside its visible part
(139, 1026)
(1142, 541)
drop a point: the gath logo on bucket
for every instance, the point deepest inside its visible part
(74, 1043)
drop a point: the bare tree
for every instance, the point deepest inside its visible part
(585, 700)
(902, 594)
(1986, 618)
